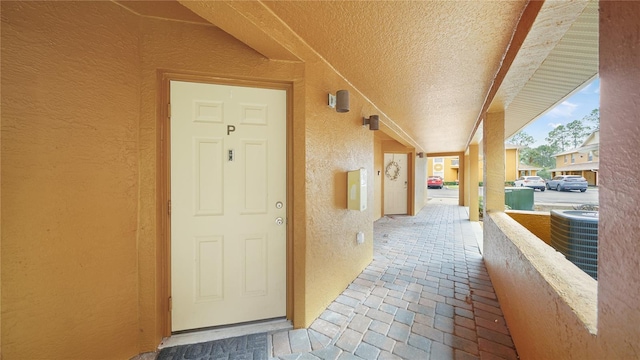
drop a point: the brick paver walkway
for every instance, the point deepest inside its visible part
(426, 295)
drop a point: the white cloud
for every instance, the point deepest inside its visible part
(554, 125)
(592, 88)
(565, 109)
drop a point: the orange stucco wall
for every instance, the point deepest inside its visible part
(335, 143)
(70, 110)
(538, 222)
(182, 47)
(557, 317)
(81, 245)
(378, 171)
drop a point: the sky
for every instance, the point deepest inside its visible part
(573, 108)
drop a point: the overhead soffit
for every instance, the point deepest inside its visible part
(162, 10)
(569, 65)
(428, 65)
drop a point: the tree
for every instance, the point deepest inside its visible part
(522, 139)
(528, 156)
(544, 173)
(557, 139)
(576, 132)
(593, 117)
(545, 156)
(541, 156)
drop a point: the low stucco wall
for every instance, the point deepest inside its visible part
(551, 314)
(538, 222)
(549, 304)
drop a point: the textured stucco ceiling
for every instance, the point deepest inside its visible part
(429, 66)
(162, 10)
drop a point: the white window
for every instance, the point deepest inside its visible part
(590, 157)
(565, 159)
(573, 158)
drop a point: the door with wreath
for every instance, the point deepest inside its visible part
(395, 184)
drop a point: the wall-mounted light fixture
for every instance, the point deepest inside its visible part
(340, 101)
(373, 121)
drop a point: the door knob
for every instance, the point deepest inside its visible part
(279, 221)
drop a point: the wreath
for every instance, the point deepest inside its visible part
(392, 171)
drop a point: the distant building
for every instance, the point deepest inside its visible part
(528, 170)
(582, 160)
(445, 167)
(448, 167)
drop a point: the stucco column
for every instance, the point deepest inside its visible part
(619, 249)
(466, 182)
(494, 168)
(462, 171)
(473, 183)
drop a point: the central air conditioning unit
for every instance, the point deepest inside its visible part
(574, 233)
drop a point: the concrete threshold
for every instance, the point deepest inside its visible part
(225, 333)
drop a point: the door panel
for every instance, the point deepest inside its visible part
(254, 176)
(395, 184)
(228, 171)
(208, 197)
(209, 268)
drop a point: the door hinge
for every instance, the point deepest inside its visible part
(170, 303)
(169, 207)
(169, 110)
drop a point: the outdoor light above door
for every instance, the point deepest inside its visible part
(373, 121)
(340, 101)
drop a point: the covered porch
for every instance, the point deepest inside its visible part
(86, 208)
(425, 295)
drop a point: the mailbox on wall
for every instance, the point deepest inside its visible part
(357, 190)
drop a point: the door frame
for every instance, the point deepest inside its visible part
(163, 189)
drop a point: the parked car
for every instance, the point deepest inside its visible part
(434, 182)
(535, 182)
(568, 182)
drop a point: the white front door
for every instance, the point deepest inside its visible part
(228, 204)
(395, 184)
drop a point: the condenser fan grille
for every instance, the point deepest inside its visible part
(574, 233)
